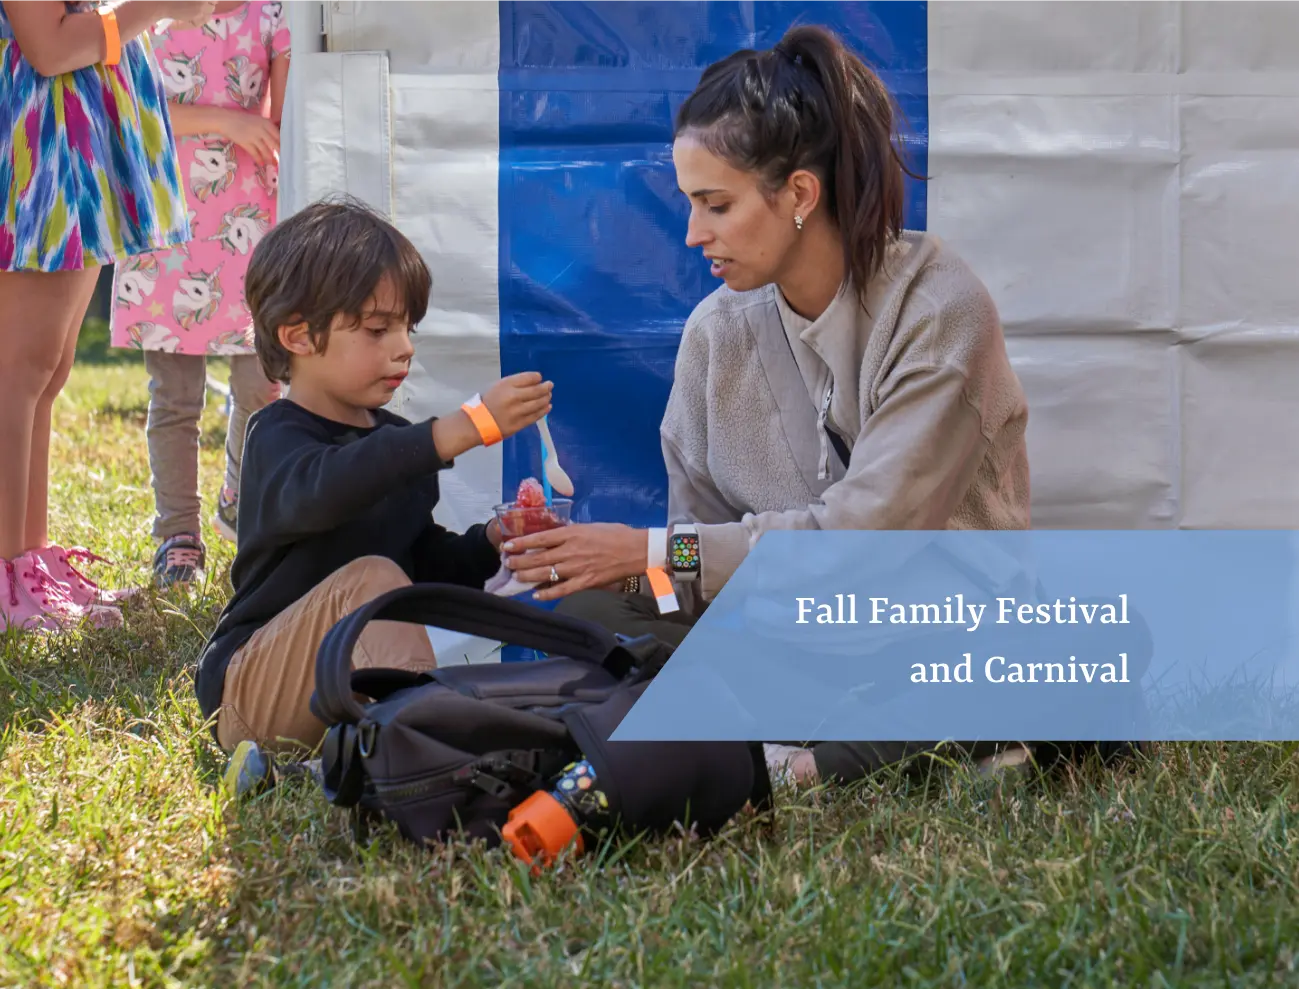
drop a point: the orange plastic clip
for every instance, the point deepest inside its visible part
(112, 36)
(541, 827)
(483, 421)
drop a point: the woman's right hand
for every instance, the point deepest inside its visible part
(254, 133)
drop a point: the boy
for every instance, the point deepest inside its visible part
(337, 494)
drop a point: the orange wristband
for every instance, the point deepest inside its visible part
(483, 421)
(112, 37)
(661, 588)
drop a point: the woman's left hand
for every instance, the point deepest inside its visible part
(583, 555)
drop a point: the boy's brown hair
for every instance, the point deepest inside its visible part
(323, 262)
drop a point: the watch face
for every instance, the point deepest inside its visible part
(685, 552)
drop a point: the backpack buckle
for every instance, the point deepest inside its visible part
(500, 773)
(365, 739)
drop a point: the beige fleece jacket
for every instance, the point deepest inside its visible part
(917, 384)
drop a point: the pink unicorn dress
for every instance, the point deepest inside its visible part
(190, 299)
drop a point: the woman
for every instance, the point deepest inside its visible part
(88, 176)
(849, 375)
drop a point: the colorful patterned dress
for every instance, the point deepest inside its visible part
(88, 168)
(190, 300)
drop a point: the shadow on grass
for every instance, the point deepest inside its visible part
(136, 670)
(889, 852)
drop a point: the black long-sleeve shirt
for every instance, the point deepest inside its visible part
(317, 494)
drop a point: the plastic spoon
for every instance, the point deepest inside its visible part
(552, 473)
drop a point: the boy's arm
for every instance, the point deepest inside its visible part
(300, 482)
(445, 557)
(297, 482)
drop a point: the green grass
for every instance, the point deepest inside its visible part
(120, 865)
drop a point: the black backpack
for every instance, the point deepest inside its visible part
(453, 752)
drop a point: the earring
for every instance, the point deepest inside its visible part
(798, 221)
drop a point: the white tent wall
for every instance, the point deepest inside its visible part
(402, 113)
(1124, 176)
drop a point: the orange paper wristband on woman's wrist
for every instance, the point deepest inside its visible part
(112, 37)
(483, 421)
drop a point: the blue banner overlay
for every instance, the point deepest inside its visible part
(1013, 636)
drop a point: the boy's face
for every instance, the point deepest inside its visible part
(365, 361)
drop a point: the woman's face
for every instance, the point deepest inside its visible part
(747, 235)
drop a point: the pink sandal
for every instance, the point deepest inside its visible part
(36, 600)
(17, 608)
(57, 563)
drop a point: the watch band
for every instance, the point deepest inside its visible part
(683, 552)
(656, 550)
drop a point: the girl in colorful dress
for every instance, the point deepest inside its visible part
(225, 83)
(88, 176)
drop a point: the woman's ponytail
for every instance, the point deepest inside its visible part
(867, 188)
(810, 103)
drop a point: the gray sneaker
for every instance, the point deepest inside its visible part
(226, 519)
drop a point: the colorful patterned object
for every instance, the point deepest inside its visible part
(576, 788)
(190, 300)
(88, 166)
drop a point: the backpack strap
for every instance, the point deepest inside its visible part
(457, 609)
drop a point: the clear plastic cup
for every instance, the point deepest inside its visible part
(522, 520)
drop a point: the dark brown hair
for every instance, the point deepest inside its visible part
(809, 103)
(322, 262)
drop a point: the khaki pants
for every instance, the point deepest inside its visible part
(270, 680)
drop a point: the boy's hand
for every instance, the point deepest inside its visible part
(515, 403)
(518, 401)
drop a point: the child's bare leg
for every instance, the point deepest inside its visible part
(38, 482)
(36, 311)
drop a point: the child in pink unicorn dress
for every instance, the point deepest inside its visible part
(225, 89)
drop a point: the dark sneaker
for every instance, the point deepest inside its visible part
(227, 514)
(179, 559)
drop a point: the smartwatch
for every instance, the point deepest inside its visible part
(683, 552)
